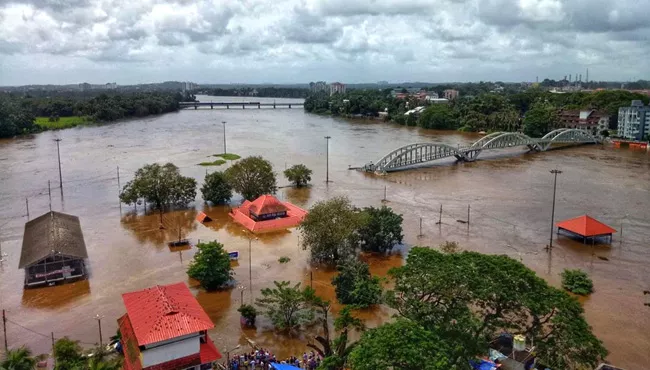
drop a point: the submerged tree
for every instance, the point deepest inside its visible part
(211, 266)
(18, 359)
(354, 284)
(160, 186)
(298, 174)
(330, 230)
(285, 305)
(381, 230)
(216, 188)
(252, 177)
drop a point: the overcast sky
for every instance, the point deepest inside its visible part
(295, 41)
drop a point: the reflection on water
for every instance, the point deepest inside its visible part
(509, 194)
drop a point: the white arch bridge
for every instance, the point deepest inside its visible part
(415, 154)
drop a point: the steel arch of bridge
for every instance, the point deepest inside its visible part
(414, 154)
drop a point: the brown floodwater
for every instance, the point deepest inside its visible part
(509, 194)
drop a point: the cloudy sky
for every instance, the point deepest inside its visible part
(294, 41)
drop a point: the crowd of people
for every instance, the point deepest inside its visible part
(261, 359)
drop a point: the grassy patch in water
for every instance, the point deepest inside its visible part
(228, 156)
(62, 122)
(218, 162)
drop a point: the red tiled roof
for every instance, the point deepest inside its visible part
(209, 352)
(266, 204)
(295, 215)
(586, 226)
(164, 312)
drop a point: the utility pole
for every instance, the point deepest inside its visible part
(420, 234)
(99, 324)
(250, 264)
(468, 206)
(440, 216)
(224, 136)
(27, 206)
(555, 172)
(327, 159)
(49, 194)
(384, 193)
(311, 279)
(4, 329)
(119, 189)
(53, 354)
(58, 153)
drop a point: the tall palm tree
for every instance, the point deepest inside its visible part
(18, 359)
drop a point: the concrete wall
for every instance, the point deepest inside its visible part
(171, 350)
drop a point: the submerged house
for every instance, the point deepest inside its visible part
(53, 250)
(267, 213)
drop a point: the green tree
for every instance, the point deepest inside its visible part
(577, 282)
(211, 266)
(298, 174)
(285, 305)
(329, 230)
(401, 345)
(467, 298)
(540, 119)
(252, 177)
(216, 188)
(18, 359)
(355, 286)
(160, 186)
(381, 230)
(14, 119)
(68, 354)
(99, 361)
(438, 117)
(249, 313)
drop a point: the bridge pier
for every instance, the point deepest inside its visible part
(196, 107)
(259, 106)
(227, 106)
(273, 105)
(289, 106)
(243, 106)
(211, 106)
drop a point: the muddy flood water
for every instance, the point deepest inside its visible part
(509, 194)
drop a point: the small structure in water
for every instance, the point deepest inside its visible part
(267, 213)
(53, 250)
(586, 227)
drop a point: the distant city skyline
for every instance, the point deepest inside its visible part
(297, 41)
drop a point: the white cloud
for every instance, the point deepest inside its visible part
(70, 41)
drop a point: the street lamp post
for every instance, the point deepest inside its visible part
(99, 325)
(250, 265)
(58, 154)
(224, 137)
(555, 173)
(327, 159)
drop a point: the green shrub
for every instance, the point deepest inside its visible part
(249, 313)
(284, 259)
(577, 282)
(217, 162)
(228, 156)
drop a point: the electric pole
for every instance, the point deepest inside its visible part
(327, 160)
(58, 153)
(4, 329)
(224, 137)
(555, 173)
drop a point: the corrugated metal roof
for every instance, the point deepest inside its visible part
(51, 233)
(165, 312)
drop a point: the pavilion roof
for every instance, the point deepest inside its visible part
(586, 226)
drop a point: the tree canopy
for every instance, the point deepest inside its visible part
(355, 286)
(403, 345)
(160, 186)
(468, 298)
(216, 188)
(329, 230)
(14, 119)
(381, 229)
(285, 305)
(211, 266)
(298, 174)
(252, 177)
(18, 359)
(67, 354)
(540, 119)
(438, 116)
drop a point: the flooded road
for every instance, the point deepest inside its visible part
(510, 199)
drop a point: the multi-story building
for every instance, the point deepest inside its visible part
(337, 88)
(165, 328)
(634, 121)
(450, 94)
(188, 86)
(591, 120)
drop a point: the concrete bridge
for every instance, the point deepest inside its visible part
(415, 154)
(243, 105)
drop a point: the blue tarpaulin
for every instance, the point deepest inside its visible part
(277, 366)
(483, 365)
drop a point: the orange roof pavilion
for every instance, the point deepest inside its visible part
(267, 213)
(586, 227)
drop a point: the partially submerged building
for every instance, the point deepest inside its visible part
(53, 250)
(267, 213)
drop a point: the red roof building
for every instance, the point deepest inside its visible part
(165, 328)
(591, 120)
(586, 227)
(267, 213)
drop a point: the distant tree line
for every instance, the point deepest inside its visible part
(18, 111)
(262, 92)
(533, 111)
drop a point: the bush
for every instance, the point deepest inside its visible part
(216, 189)
(284, 259)
(298, 174)
(577, 282)
(355, 286)
(249, 313)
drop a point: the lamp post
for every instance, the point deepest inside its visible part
(327, 159)
(555, 172)
(58, 154)
(224, 137)
(99, 325)
(250, 263)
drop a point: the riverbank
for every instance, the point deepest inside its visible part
(59, 123)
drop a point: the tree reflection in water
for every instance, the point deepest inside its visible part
(146, 228)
